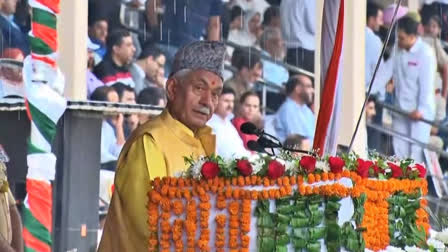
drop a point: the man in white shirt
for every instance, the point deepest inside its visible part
(373, 52)
(298, 19)
(294, 116)
(228, 143)
(412, 67)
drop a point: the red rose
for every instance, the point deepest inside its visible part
(308, 163)
(336, 164)
(364, 167)
(275, 169)
(377, 169)
(244, 167)
(396, 170)
(421, 170)
(210, 170)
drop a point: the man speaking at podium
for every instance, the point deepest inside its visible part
(157, 148)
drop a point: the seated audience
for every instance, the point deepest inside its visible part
(92, 81)
(294, 115)
(271, 18)
(98, 29)
(145, 70)
(251, 31)
(115, 65)
(126, 94)
(250, 70)
(273, 45)
(112, 133)
(150, 96)
(249, 111)
(228, 142)
(11, 33)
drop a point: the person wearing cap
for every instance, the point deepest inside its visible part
(158, 147)
(92, 81)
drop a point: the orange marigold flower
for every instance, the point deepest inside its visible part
(266, 182)
(234, 224)
(233, 231)
(241, 181)
(228, 192)
(311, 178)
(245, 240)
(280, 181)
(155, 196)
(233, 242)
(292, 180)
(253, 179)
(331, 176)
(236, 193)
(234, 181)
(247, 180)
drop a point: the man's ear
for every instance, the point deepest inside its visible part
(171, 88)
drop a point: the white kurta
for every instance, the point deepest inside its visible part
(373, 52)
(228, 142)
(413, 74)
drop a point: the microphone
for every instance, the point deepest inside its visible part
(250, 129)
(254, 146)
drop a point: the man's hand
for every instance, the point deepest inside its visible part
(416, 115)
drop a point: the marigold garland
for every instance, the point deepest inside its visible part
(167, 195)
(234, 216)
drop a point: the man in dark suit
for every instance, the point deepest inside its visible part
(13, 37)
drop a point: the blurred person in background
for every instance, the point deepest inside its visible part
(373, 47)
(150, 96)
(250, 70)
(13, 37)
(145, 71)
(92, 81)
(98, 31)
(295, 116)
(298, 20)
(249, 111)
(112, 132)
(115, 65)
(432, 37)
(412, 66)
(271, 18)
(251, 31)
(183, 22)
(273, 45)
(228, 142)
(126, 95)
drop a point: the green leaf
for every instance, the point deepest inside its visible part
(282, 240)
(316, 219)
(283, 218)
(281, 248)
(313, 247)
(266, 244)
(299, 243)
(265, 220)
(266, 232)
(299, 222)
(282, 227)
(300, 233)
(317, 233)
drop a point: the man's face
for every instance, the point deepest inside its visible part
(128, 97)
(225, 105)
(252, 75)
(432, 28)
(99, 30)
(153, 67)
(370, 111)
(250, 108)
(254, 23)
(112, 96)
(404, 40)
(125, 51)
(276, 22)
(305, 89)
(192, 100)
(9, 6)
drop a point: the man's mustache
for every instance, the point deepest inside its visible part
(205, 110)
